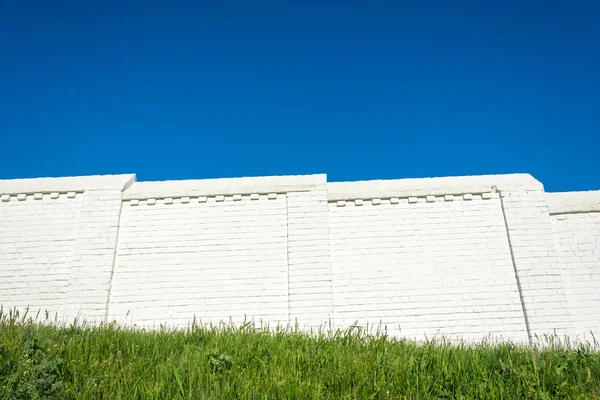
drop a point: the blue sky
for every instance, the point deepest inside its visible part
(357, 90)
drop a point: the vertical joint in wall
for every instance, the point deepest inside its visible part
(287, 253)
(333, 314)
(512, 257)
(114, 260)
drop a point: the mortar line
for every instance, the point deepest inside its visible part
(112, 271)
(512, 257)
(287, 252)
(333, 314)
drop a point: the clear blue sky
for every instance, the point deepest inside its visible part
(354, 89)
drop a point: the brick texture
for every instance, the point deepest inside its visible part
(310, 280)
(542, 284)
(577, 238)
(37, 238)
(93, 256)
(213, 258)
(426, 267)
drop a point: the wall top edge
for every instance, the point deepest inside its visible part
(431, 186)
(66, 184)
(573, 202)
(558, 202)
(224, 186)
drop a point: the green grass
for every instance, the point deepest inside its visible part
(228, 362)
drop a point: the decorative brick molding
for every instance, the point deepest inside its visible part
(415, 200)
(203, 199)
(38, 196)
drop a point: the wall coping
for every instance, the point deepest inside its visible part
(573, 202)
(439, 186)
(66, 184)
(453, 185)
(223, 186)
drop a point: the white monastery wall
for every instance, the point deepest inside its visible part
(464, 257)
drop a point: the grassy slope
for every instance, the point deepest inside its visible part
(114, 363)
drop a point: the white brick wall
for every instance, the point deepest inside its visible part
(214, 258)
(424, 266)
(37, 237)
(93, 255)
(422, 256)
(577, 238)
(542, 284)
(310, 281)
(55, 238)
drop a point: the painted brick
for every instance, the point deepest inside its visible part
(531, 235)
(309, 267)
(416, 269)
(577, 239)
(37, 238)
(93, 256)
(213, 261)
(424, 257)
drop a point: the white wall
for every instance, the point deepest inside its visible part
(539, 274)
(37, 239)
(211, 257)
(576, 226)
(463, 257)
(57, 243)
(309, 266)
(212, 250)
(425, 266)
